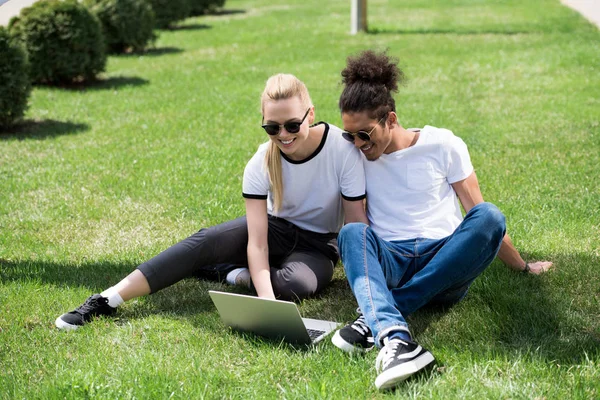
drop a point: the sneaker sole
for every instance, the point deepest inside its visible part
(60, 324)
(341, 344)
(390, 378)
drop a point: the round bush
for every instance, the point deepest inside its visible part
(168, 12)
(201, 7)
(63, 39)
(126, 24)
(15, 86)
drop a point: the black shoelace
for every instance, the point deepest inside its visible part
(91, 304)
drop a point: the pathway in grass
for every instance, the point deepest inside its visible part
(588, 8)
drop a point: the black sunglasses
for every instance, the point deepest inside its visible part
(291, 127)
(362, 135)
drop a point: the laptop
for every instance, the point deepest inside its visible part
(274, 319)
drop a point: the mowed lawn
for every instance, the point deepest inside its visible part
(100, 178)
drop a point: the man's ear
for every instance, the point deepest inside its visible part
(392, 119)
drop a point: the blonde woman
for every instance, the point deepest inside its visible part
(299, 188)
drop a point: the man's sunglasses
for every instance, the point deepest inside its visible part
(362, 135)
(291, 127)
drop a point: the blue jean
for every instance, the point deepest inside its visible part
(390, 280)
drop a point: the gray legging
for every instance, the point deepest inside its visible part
(301, 261)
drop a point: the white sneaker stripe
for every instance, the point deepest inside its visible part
(412, 354)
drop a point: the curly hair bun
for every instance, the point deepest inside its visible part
(373, 69)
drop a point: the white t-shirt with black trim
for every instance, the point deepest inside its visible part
(409, 192)
(313, 188)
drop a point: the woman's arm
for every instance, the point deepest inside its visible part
(258, 247)
(354, 211)
(469, 194)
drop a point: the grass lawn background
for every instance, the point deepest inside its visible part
(99, 179)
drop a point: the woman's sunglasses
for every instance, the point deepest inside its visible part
(362, 135)
(291, 127)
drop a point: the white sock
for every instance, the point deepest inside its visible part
(232, 275)
(114, 298)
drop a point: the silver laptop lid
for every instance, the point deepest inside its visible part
(274, 319)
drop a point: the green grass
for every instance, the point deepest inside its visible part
(101, 178)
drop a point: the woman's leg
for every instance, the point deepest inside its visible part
(190, 256)
(205, 253)
(133, 285)
(301, 275)
(209, 253)
(220, 246)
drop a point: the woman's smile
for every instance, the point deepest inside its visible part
(287, 142)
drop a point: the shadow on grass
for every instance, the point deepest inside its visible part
(152, 52)
(454, 31)
(95, 275)
(190, 27)
(186, 298)
(228, 12)
(112, 83)
(505, 314)
(42, 129)
(217, 13)
(512, 314)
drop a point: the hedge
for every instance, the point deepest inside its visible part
(126, 24)
(201, 7)
(63, 39)
(15, 86)
(168, 12)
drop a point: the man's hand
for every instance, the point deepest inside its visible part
(539, 267)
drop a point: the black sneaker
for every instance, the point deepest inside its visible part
(398, 360)
(95, 305)
(354, 337)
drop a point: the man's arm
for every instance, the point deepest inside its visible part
(354, 211)
(469, 194)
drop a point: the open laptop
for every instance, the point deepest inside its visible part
(274, 319)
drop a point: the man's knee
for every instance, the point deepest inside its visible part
(491, 219)
(351, 232)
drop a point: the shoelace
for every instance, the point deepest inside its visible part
(90, 304)
(387, 354)
(360, 326)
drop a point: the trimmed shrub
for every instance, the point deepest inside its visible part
(63, 39)
(126, 24)
(201, 7)
(168, 12)
(15, 86)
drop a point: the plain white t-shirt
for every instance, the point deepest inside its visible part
(409, 192)
(313, 188)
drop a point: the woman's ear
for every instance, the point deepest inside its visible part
(311, 115)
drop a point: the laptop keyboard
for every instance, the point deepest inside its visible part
(314, 333)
